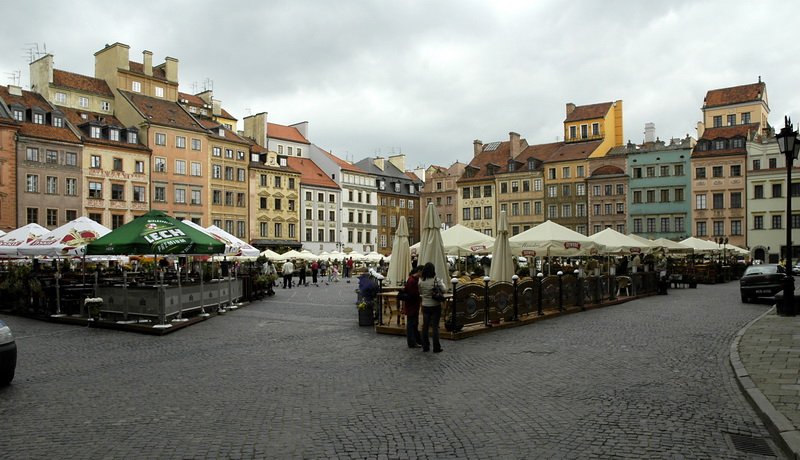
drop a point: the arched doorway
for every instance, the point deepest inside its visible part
(760, 255)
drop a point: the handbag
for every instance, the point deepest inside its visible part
(437, 293)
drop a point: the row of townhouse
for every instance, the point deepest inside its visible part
(114, 145)
(730, 183)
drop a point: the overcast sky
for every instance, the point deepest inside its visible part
(426, 78)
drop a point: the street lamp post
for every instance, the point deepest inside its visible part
(789, 146)
(722, 241)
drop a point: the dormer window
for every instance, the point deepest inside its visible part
(19, 115)
(58, 122)
(193, 109)
(159, 91)
(94, 132)
(113, 134)
(133, 137)
(382, 185)
(38, 118)
(397, 187)
(511, 166)
(531, 164)
(136, 86)
(222, 132)
(283, 161)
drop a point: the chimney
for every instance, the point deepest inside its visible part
(477, 147)
(378, 161)
(216, 107)
(147, 62)
(515, 144)
(41, 74)
(171, 69)
(701, 128)
(14, 90)
(649, 132)
(399, 161)
(570, 108)
(255, 127)
(302, 127)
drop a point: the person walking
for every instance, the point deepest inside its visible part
(348, 268)
(431, 308)
(314, 271)
(411, 305)
(302, 280)
(287, 271)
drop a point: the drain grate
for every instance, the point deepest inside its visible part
(751, 445)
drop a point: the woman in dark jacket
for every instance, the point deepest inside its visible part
(412, 304)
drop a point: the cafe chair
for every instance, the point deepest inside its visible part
(623, 284)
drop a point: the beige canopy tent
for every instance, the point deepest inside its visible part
(701, 246)
(502, 268)
(672, 247)
(400, 263)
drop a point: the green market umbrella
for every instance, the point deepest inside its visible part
(155, 233)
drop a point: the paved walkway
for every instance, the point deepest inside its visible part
(766, 359)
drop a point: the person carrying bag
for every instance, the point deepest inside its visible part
(431, 306)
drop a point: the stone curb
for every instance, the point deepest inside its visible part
(781, 429)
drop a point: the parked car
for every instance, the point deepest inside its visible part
(8, 354)
(763, 280)
(796, 269)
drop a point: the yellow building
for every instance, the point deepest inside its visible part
(520, 186)
(275, 199)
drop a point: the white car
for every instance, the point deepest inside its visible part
(8, 354)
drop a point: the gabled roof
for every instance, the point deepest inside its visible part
(539, 151)
(286, 133)
(194, 100)
(138, 67)
(573, 151)
(30, 100)
(342, 164)
(213, 128)
(74, 81)
(608, 170)
(493, 153)
(729, 132)
(389, 170)
(588, 112)
(735, 95)
(310, 173)
(79, 118)
(163, 113)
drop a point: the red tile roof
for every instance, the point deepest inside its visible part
(286, 133)
(499, 155)
(343, 164)
(735, 95)
(30, 129)
(539, 152)
(574, 151)
(138, 67)
(588, 112)
(76, 117)
(310, 173)
(413, 176)
(163, 113)
(83, 83)
(724, 132)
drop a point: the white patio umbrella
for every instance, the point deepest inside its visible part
(291, 254)
(502, 268)
(431, 246)
(11, 241)
(552, 239)
(270, 254)
(372, 257)
(242, 248)
(645, 242)
(400, 263)
(69, 239)
(617, 243)
(459, 240)
(307, 255)
(701, 246)
(357, 256)
(736, 249)
(672, 247)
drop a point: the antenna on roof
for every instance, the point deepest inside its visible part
(33, 52)
(208, 84)
(247, 111)
(15, 77)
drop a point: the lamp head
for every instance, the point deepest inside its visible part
(486, 279)
(560, 273)
(540, 275)
(515, 278)
(787, 139)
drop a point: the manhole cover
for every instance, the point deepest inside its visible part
(751, 445)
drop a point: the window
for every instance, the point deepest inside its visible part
(159, 91)
(32, 154)
(117, 192)
(595, 129)
(216, 172)
(584, 131)
(51, 217)
(777, 190)
(160, 164)
(71, 187)
(58, 122)
(678, 170)
(138, 194)
(526, 186)
(746, 118)
(651, 224)
(758, 222)
(229, 173)
(701, 229)
(61, 98)
(736, 170)
(665, 195)
(565, 172)
(278, 183)
(95, 190)
(566, 210)
(94, 161)
(679, 222)
(180, 142)
(216, 151)
(700, 173)
(197, 169)
(32, 215)
(552, 211)
(196, 144)
(51, 185)
(51, 156)
(161, 139)
(718, 201)
(776, 221)
(620, 189)
(596, 190)
(664, 170)
(756, 164)
(637, 225)
(579, 171)
(736, 227)
(133, 137)
(596, 209)
(537, 185)
(116, 164)
(277, 204)
(105, 106)
(678, 194)
(608, 207)
(71, 159)
(180, 167)
(476, 213)
(229, 199)
(229, 153)
(573, 132)
(240, 155)
(466, 214)
(758, 191)
(716, 171)
(278, 230)
(552, 191)
(160, 193)
(32, 183)
(551, 173)
(651, 171)
(514, 209)
(566, 190)
(665, 224)
(736, 199)
(732, 120)
(136, 86)
(700, 202)
(180, 195)
(637, 173)
(580, 210)
(196, 197)
(637, 196)
(38, 118)
(620, 208)
(717, 121)
(651, 196)
(795, 189)
(504, 187)
(795, 221)
(580, 189)
(526, 208)
(608, 189)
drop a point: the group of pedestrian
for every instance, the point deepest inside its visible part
(321, 270)
(419, 289)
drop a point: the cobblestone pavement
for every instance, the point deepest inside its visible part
(295, 377)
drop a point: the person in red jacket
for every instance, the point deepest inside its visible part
(412, 304)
